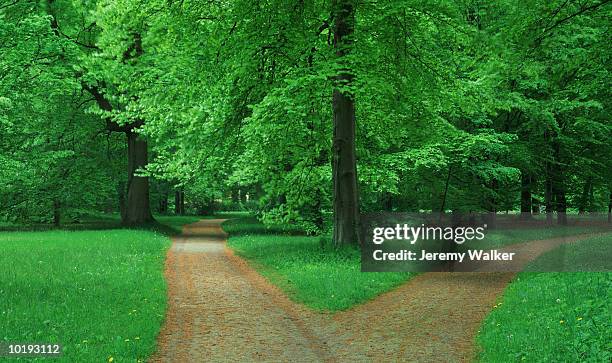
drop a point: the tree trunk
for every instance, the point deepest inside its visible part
(560, 200)
(445, 195)
(235, 198)
(182, 202)
(548, 195)
(587, 190)
(535, 205)
(493, 205)
(344, 163)
(138, 210)
(387, 202)
(163, 202)
(610, 207)
(57, 213)
(526, 203)
(179, 202)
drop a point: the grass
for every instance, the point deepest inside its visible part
(169, 225)
(100, 293)
(174, 224)
(310, 273)
(331, 280)
(593, 255)
(557, 316)
(504, 237)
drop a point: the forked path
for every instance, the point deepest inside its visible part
(222, 310)
(215, 313)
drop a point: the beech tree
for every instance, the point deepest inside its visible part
(317, 110)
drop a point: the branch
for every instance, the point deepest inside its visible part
(56, 29)
(569, 17)
(10, 4)
(105, 105)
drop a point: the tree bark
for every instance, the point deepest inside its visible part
(387, 202)
(179, 202)
(526, 202)
(585, 198)
(448, 176)
(548, 198)
(610, 207)
(560, 199)
(344, 163)
(138, 210)
(163, 202)
(57, 213)
(182, 202)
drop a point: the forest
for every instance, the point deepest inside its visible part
(306, 112)
(301, 117)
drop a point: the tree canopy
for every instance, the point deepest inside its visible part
(310, 109)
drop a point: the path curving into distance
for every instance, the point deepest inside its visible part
(220, 309)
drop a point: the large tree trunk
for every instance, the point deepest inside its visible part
(138, 210)
(344, 163)
(526, 203)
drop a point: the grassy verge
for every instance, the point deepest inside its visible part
(316, 275)
(557, 317)
(173, 224)
(99, 293)
(504, 237)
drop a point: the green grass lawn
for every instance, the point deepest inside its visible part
(309, 272)
(553, 317)
(100, 293)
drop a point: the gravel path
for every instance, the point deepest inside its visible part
(216, 314)
(221, 310)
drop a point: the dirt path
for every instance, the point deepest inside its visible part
(216, 313)
(220, 309)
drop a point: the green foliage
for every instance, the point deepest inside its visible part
(455, 102)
